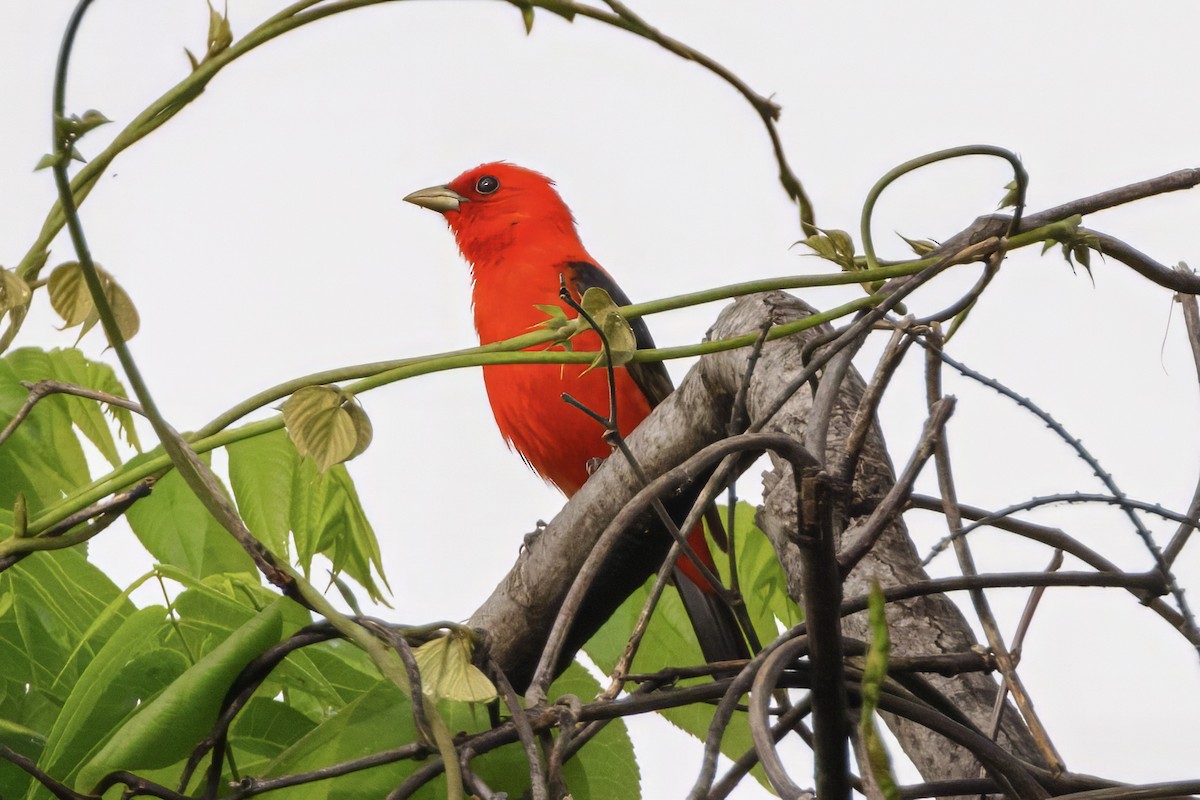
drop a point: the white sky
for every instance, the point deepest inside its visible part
(262, 236)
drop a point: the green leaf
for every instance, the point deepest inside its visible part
(333, 674)
(762, 579)
(14, 292)
(327, 517)
(447, 671)
(671, 641)
(604, 769)
(56, 612)
(70, 366)
(165, 729)
(178, 530)
(42, 459)
(71, 129)
(874, 674)
(327, 424)
(558, 320)
(1010, 195)
(833, 245)
(622, 343)
(378, 720)
(71, 300)
(263, 730)
(261, 473)
(220, 35)
(277, 492)
(127, 672)
(15, 782)
(922, 247)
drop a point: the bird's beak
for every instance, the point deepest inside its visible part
(437, 198)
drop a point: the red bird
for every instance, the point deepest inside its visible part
(520, 240)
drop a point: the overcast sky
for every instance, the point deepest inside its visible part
(262, 236)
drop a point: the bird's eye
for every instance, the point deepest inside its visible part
(487, 184)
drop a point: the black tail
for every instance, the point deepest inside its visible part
(717, 629)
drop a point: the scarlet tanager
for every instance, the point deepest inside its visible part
(520, 240)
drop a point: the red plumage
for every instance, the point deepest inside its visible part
(519, 238)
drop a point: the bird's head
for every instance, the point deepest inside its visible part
(497, 205)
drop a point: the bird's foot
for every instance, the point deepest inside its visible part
(533, 535)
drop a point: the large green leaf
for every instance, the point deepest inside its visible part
(278, 492)
(168, 727)
(260, 474)
(14, 781)
(70, 366)
(763, 581)
(263, 730)
(329, 676)
(42, 459)
(380, 719)
(53, 602)
(56, 610)
(178, 530)
(129, 670)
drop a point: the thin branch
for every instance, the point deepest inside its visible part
(789, 720)
(1057, 539)
(1143, 532)
(1139, 262)
(26, 764)
(46, 388)
(966, 561)
(767, 110)
(765, 684)
(74, 529)
(537, 775)
(1191, 318)
(996, 224)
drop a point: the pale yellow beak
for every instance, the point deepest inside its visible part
(437, 198)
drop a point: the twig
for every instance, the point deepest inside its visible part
(45, 388)
(767, 110)
(1175, 790)
(621, 668)
(537, 776)
(966, 561)
(1018, 640)
(1144, 581)
(1143, 532)
(1057, 539)
(789, 720)
(57, 788)
(1141, 263)
(67, 533)
(1191, 319)
(992, 518)
(765, 684)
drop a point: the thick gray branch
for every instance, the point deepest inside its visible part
(521, 611)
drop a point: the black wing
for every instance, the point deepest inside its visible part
(650, 376)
